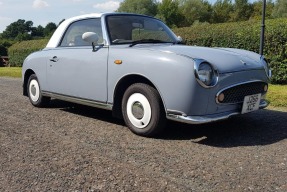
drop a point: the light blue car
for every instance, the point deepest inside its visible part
(137, 67)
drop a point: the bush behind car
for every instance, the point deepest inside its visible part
(19, 51)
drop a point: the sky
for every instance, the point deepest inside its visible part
(41, 12)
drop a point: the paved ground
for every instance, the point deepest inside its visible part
(74, 148)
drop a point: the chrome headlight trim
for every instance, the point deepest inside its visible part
(213, 73)
(266, 67)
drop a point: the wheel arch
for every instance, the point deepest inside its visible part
(122, 86)
(27, 74)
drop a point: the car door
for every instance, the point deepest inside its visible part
(74, 69)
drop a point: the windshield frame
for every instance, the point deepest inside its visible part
(173, 38)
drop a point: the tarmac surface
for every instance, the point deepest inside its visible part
(68, 147)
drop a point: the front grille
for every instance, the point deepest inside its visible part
(237, 93)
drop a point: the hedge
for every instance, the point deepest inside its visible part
(19, 51)
(245, 35)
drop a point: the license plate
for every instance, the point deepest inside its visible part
(251, 103)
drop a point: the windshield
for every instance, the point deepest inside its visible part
(132, 29)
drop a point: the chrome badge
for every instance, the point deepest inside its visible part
(243, 62)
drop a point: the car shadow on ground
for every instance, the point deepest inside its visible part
(263, 127)
(90, 112)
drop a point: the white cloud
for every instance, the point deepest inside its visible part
(108, 6)
(38, 4)
(1, 3)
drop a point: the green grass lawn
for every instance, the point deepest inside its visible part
(10, 71)
(277, 94)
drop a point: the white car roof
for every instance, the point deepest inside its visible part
(54, 41)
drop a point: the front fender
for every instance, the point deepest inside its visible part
(36, 62)
(171, 74)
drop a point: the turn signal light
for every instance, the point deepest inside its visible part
(220, 97)
(118, 62)
(266, 88)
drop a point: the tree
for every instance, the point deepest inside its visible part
(257, 9)
(3, 50)
(16, 28)
(242, 10)
(280, 9)
(169, 12)
(49, 29)
(37, 31)
(4, 45)
(23, 37)
(221, 11)
(146, 7)
(196, 10)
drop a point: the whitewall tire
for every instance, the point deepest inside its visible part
(34, 90)
(35, 93)
(142, 110)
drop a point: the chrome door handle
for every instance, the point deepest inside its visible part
(54, 59)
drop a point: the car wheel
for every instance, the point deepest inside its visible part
(35, 93)
(142, 110)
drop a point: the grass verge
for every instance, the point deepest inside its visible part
(10, 72)
(277, 94)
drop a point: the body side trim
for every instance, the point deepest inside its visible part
(82, 101)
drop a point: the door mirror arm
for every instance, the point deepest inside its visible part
(96, 47)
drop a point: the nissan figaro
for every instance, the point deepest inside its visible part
(135, 66)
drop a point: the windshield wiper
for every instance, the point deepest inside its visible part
(142, 41)
(179, 42)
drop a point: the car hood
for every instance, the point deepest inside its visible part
(224, 59)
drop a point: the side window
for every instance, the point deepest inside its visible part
(73, 36)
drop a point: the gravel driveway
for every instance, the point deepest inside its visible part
(68, 147)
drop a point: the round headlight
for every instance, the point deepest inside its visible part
(206, 75)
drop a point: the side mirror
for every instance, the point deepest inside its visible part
(180, 40)
(92, 38)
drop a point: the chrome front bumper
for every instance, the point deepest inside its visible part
(207, 118)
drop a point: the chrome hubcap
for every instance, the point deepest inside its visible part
(33, 90)
(138, 110)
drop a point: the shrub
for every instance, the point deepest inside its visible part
(245, 35)
(4, 45)
(3, 50)
(279, 70)
(19, 51)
